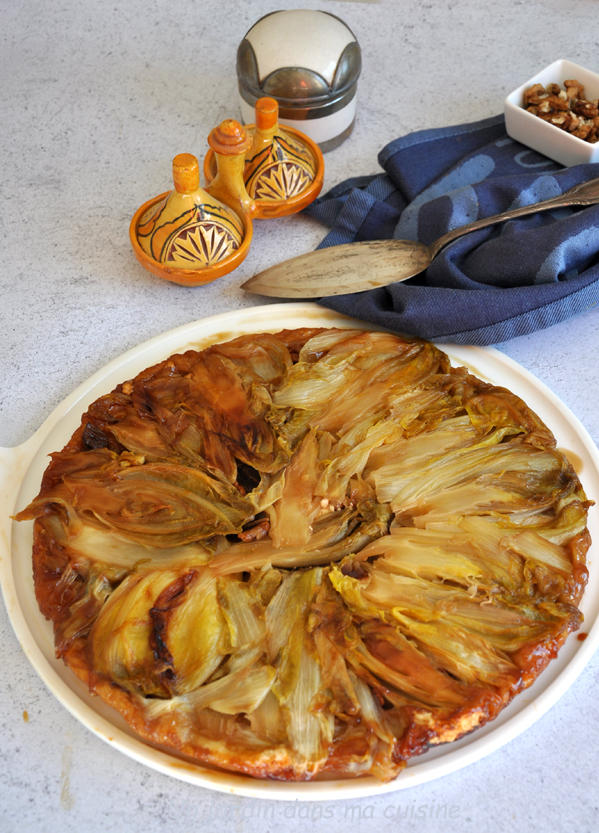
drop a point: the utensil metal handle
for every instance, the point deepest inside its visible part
(587, 193)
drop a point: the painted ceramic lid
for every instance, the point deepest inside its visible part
(309, 61)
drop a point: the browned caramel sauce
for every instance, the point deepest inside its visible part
(574, 460)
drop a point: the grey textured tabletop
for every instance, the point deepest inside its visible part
(97, 98)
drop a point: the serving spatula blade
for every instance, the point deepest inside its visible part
(340, 270)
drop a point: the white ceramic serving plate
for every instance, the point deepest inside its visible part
(21, 470)
(540, 135)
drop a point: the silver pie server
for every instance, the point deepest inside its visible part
(357, 267)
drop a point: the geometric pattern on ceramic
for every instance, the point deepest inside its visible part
(282, 170)
(203, 235)
(204, 243)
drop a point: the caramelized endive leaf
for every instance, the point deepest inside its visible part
(106, 546)
(299, 679)
(418, 483)
(158, 504)
(192, 635)
(332, 630)
(243, 683)
(334, 536)
(393, 658)
(355, 374)
(292, 514)
(309, 731)
(119, 641)
(463, 654)
(242, 612)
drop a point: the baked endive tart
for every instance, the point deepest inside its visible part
(316, 552)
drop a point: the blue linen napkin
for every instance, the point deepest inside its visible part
(493, 284)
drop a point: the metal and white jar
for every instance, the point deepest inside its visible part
(310, 62)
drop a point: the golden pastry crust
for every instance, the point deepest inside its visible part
(316, 552)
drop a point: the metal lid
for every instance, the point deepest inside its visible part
(309, 61)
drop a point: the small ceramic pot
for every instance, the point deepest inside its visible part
(283, 169)
(192, 235)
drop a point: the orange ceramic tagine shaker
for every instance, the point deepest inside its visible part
(283, 170)
(192, 236)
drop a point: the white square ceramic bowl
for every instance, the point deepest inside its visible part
(542, 136)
